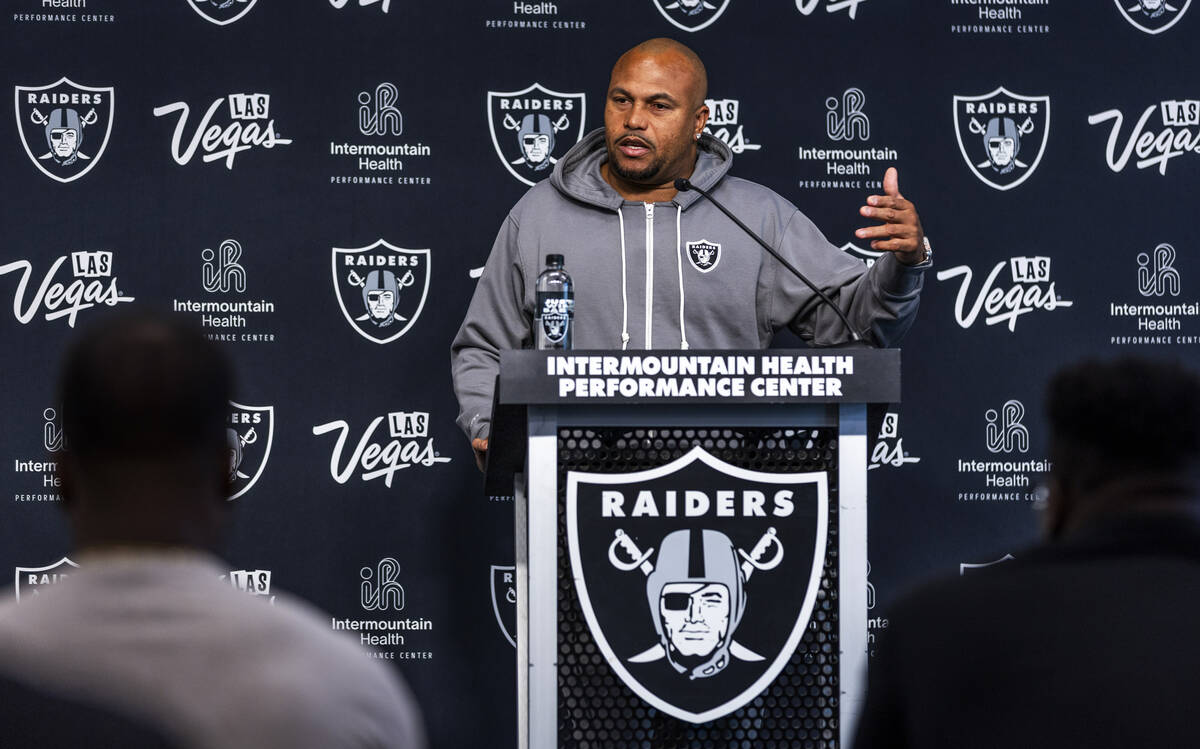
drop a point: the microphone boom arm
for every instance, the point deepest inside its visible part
(683, 185)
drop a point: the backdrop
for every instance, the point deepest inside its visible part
(250, 162)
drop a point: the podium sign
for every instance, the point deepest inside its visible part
(691, 543)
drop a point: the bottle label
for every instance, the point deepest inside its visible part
(556, 312)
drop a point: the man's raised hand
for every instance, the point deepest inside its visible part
(900, 231)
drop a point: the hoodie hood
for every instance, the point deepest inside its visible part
(577, 173)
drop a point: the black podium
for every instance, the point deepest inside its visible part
(691, 532)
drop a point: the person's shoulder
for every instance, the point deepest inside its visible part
(537, 200)
(753, 194)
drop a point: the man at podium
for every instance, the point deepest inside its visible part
(657, 267)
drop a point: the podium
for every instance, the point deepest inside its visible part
(691, 542)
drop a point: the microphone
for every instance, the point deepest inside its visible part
(683, 185)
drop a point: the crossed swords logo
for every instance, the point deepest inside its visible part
(750, 562)
(219, 4)
(1154, 13)
(356, 280)
(510, 123)
(249, 439)
(41, 120)
(1025, 128)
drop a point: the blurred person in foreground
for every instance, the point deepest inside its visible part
(1089, 639)
(146, 626)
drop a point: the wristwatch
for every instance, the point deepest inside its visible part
(928, 259)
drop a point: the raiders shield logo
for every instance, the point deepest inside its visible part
(64, 126)
(697, 578)
(29, 580)
(533, 127)
(1152, 16)
(691, 15)
(381, 288)
(867, 256)
(504, 600)
(1002, 135)
(221, 12)
(704, 255)
(248, 438)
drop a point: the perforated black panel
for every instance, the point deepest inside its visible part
(800, 709)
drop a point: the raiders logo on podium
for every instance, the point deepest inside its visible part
(697, 578)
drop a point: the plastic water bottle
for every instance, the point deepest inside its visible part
(554, 318)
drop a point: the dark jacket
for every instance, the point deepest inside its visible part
(1088, 642)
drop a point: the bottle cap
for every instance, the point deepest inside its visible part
(554, 260)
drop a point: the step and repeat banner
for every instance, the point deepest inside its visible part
(318, 183)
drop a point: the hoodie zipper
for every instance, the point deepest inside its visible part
(649, 271)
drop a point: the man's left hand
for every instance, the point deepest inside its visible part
(901, 231)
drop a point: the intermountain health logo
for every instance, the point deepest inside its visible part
(227, 313)
(1178, 135)
(542, 15)
(1152, 16)
(1163, 313)
(691, 15)
(846, 160)
(1002, 473)
(35, 478)
(383, 156)
(532, 128)
(221, 12)
(382, 594)
(697, 570)
(381, 288)
(1002, 135)
(1031, 289)
(64, 126)
(1000, 17)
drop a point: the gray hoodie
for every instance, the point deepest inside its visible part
(638, 284)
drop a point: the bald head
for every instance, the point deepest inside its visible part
(676, 57)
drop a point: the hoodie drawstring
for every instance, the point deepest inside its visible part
(624, 288)
(683, 344)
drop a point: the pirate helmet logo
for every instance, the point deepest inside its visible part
(998, 131)
(691, 15)
(704, 255)
(381, 288)
(1152, 16)
(720, 595)
(531, 129)
(54, 122)
(221, 12)
(248, 445)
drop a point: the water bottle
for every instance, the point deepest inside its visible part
(555, 315)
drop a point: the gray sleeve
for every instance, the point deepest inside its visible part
(497, 319)
(881, 302)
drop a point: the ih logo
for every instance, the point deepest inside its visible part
(31, 580)
(221, 271)
(53, 438)
(691, 15)
(844, 118)
(697, 570)
(248, 438)
(380, 589)
(64, 126)
(1002, 135)
(381, 288)
(1156, 272)
(378, 113)
(221, 12)
(533, 127)
(1005, 432)
(704, 255)
(1152, 16)
(504, 600)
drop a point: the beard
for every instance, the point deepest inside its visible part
(643, 175)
